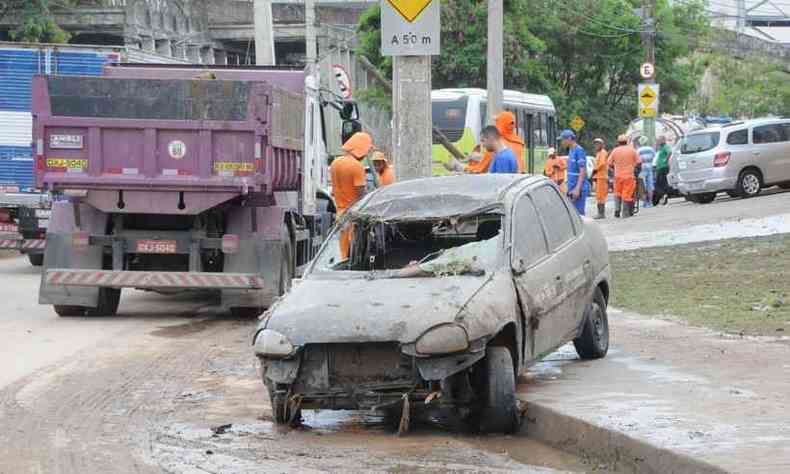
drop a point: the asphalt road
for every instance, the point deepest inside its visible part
(169, 385)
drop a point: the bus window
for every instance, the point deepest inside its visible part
(449, 116)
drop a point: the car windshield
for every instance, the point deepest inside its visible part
(699, 142)
(434, 248)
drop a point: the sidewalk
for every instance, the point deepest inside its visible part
(683, 399)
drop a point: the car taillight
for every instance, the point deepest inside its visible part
(721, 159)
(230, 243)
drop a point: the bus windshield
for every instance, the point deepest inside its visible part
(449, 114)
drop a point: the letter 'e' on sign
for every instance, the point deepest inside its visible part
(410, 27)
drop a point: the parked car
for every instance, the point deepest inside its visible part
(454, 286)
(739, 158)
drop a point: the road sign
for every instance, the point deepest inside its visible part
(647, 70)
(343, 81)
(577, 123)
(410, 27)
(648, 100)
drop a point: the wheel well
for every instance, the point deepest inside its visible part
(604, 287)
(507, 338)
(752, 168)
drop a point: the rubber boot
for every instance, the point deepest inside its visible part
(628, 209)
(601, 211)
(617, 202)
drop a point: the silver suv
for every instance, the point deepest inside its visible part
(739, 158)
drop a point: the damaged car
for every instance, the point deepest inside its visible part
(453, 286)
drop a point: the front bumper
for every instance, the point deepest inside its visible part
(152, 280)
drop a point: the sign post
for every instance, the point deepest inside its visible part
(648, 109)
(410, 32)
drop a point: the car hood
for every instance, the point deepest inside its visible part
(360, 310)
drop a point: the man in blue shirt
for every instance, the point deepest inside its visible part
(578, 185)
(504, 161)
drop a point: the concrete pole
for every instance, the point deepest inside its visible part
(411, 101)
(495, 59)
(311, 48)
(264, 32)
(649, 44)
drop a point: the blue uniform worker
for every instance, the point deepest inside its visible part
(577, 165)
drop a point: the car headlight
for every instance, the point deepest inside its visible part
(270, 343)
(443, 339)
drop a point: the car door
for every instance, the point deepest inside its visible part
(554, 288)
(768, 145)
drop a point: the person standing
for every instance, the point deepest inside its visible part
(506, 126)
(555, 168)
(647, 155)
(624, 160)
(662, 170)
(578, 185)
(383, 169)
(600, 177)
(504, 160)
(349, 182)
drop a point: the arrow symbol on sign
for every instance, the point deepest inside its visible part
(409, 9)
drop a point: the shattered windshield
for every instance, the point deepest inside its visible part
(440, 247)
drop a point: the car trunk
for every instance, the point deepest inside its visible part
(697, 153)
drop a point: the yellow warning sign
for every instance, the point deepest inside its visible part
(409, 9)
(647, 96)
(648, 100)
(577, 123)
(647, 112)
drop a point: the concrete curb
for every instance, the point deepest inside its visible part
(612, 447)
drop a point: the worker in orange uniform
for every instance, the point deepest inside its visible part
(383, 169)
(600, 177)
(555, 168)
(506, 124)
(349, 181)
(624, 159)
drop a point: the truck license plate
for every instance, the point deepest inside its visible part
(156, 246)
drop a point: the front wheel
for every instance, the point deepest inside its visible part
(593, 342)
(749, 183)
(284, 411)
(500, 412)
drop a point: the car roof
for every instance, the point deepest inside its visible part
(740, 125)
(439, 197)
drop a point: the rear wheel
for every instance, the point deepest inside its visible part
(593, 342)
(750, 183)
(500, 412)
(65, 311)
(36, 259)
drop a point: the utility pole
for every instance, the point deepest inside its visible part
(495, 67)
(264, 32)
(649, 45)
(310, 39)
(412, 124)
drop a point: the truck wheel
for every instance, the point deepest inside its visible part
(593, 342)
(500, 412)
(69, 311)
(36, 259)
(246, 312)
(109, 298)
(282, 410)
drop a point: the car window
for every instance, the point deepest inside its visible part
(738, 137)
(700, 142)
(528, 237)
(556, 219)
(769, 134)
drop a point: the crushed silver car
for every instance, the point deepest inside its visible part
(454, 285)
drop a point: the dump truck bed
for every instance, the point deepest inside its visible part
(170, 134)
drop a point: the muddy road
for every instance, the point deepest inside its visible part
(169, 385)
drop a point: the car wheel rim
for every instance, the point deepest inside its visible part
(751, 184)
(600, 332)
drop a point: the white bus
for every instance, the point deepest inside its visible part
(462, 113)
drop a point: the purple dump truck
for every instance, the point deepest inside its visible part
(180, 178)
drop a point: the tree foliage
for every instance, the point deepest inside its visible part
(36, 20)
(584, 54)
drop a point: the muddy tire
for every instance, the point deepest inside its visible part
(500, 412)
(282, 410)
(593, 342)
(750, 183)
(36, 259)
(66, 311)
(109, 298)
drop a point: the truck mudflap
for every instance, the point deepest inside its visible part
(153, 280)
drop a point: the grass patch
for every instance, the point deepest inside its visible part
(738, 285)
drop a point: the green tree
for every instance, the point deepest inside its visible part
(36, 20)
